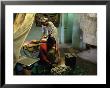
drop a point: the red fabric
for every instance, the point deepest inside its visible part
(43, 51)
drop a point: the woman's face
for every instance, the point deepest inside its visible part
(45, 23)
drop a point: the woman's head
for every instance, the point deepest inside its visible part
(44, 21)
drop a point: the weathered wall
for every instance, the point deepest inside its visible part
(88, 24)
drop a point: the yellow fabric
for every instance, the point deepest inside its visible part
(22, 26)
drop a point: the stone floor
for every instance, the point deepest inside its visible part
(90, 55)
(83, 65)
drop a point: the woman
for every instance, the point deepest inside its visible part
(51, 31)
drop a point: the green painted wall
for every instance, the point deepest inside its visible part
(70, 30)
(76, 32)
(66, 27)
(70, 27)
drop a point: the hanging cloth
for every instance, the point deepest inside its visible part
(22, 25)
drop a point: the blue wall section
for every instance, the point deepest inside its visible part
(35, 33)
(62, 29)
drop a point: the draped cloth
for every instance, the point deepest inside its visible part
(22, 25)
(88, 25)
(53, 31)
